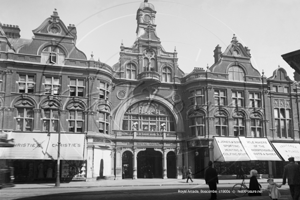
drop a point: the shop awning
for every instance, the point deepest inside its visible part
(41, 146)
(287, 150)
(228, 149)
(259, 149)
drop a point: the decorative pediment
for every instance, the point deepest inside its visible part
(24, 103)
(255, 115)
(236, 49)
(55, 27)
(103, 108)
(75, 106)
(50, 104)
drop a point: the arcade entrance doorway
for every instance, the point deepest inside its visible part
(149, 164)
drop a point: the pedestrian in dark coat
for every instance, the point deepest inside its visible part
(211, 179)
(189, 175)
(254, 186)
(291, 172)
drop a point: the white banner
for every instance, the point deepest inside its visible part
(229, 149)
(41, 146)
(259, 149)
(287, 150)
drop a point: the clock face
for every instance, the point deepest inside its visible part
(147, 19)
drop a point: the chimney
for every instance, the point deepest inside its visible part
(217, 53)
(11, 31)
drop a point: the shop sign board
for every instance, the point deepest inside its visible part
(259, 149)
(228, 149)
(287, 150)
(41, 146)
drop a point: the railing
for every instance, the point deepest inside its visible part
(149, 75)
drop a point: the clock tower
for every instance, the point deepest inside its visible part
(145, 18)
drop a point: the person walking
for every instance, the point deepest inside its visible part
(211, 179)
(189, 175)
(273, 189)
(291, 172)
(254, 186)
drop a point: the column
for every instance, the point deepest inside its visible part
(164, 161)
(112, 154)
(90, 159)
(118, 174)
(37, 120)
(134, 163)
(179, 163)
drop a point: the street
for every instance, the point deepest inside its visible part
(113, 193)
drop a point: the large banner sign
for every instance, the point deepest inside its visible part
(229, 149)
(287, 150)
(41, 146)
(259, 149)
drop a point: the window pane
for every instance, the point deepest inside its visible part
(47, 80)
(19, 124)
(30, 78)
(276, 113)
(193, 130)
(125, 125)
(252, 122)
(28, 125)
(55, 114)
(282, 113)
(224, 121)
(71, 126)
(20, 112)
(72, 91)
(80, 82)
(72, 82)
(288, 115)
(47, 113)
(79, 115)
(46, 125)
(29, 113)
(224, 131)
(55, 125)
(72, 114)
(80, 92)
(56, 81)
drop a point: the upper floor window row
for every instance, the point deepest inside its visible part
(283, 89)
(53, 55)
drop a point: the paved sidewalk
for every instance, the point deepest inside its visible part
(133, 183)
(198, 183)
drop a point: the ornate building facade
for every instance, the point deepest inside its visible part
(140, 118)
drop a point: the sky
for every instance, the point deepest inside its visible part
(269, 28)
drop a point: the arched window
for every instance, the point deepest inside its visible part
(236, 73)
(256, 125)
(148, 116)
(221, 123)
(25, 115)
(75, 117)
(197, 123)
(53, 55)
(167, 74)
(239, 124)
(130, 71)
(50, 116)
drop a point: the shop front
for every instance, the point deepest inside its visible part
(286, 150)
(235, 156)
(34, 156)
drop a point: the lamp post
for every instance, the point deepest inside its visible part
(57, 183)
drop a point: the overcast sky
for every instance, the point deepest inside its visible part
(269, 28)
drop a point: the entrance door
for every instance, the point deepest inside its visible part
(149, 164)
(171, 165)
(199, 163)
(127, 165)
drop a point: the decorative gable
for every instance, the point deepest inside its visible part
(280, 75)
(53, 26)
(236, 49)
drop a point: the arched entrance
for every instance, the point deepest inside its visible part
(149, 164)
(171, 165)
(127, 165)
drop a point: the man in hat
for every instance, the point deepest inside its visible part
(211, 179)
(292, 173)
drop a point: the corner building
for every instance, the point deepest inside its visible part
(141, 118)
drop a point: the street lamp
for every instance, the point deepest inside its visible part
(57, 183)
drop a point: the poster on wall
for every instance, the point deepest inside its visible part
(259, 149)
(287, 150)
(229, 149)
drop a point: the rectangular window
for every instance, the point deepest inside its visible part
(286, 90)
(75, 121)
(254, 100)
(26, 84)
(76, 87)
(51, 85)
(197, 97)
(24, 119)
(50, 120)
(237, 98)
(103, 90)
(220, 97)
(275, 88)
